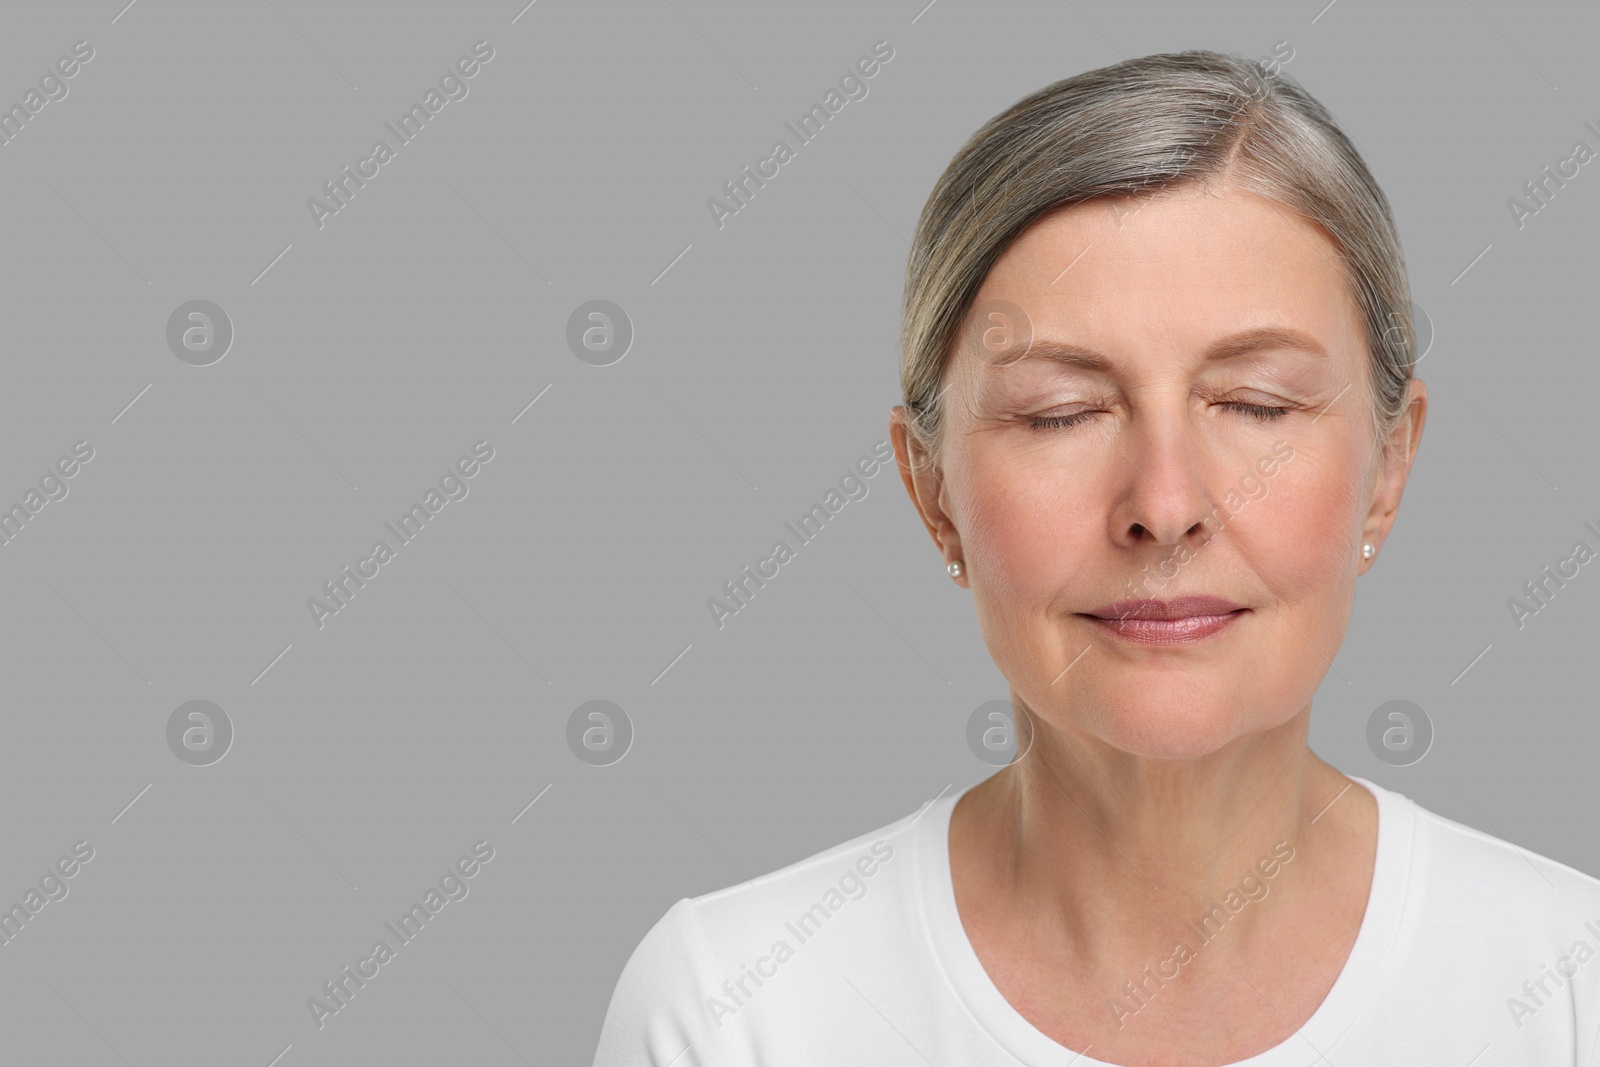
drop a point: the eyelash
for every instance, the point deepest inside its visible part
(1259, 412)
(1059, 422)
(1262, 412)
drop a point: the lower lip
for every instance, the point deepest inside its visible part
(1186, 631)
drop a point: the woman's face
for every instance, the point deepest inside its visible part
(1190, 417)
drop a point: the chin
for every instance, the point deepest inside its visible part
(1158, 724)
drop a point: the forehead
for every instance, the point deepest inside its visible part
(1177, 269)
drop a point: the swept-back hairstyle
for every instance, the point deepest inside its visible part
(1130, 130)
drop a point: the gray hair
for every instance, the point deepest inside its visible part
(1132, 129)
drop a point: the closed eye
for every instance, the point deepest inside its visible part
(1262, 412)
(1059, 422)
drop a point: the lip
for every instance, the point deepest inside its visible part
(1183, 620)
(1179, 608)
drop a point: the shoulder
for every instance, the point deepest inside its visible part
(1513, 906)
(1471, 862)
(1489, 919)
(651, 1017)
(834, 876)
(672, 991)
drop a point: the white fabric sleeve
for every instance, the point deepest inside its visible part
(658, 1016)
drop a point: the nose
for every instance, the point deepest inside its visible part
(1165, 501)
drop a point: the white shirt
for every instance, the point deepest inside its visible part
(1471, 952)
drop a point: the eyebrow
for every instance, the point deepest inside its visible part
(1262, 338)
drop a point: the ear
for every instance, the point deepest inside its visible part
(1394, 467)
(924, 482)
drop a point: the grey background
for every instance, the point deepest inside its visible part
(426, 315)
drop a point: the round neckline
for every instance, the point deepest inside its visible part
(988, 1008)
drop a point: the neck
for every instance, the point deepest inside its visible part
(1119, 853)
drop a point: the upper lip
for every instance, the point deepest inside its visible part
(1178, 608)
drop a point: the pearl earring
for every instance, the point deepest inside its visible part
(954, 567)
(1367, 551)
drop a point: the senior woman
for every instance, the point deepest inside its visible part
(1159, 413)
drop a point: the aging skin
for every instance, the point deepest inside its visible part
(1158, 772)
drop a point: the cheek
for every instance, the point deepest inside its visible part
(1301, 537)
(1312, 514)
(1020, 531)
